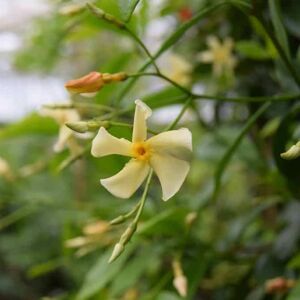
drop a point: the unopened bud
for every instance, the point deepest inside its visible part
(126, 236)
(85, 126)
(118, 249)
(117, 220)
(71, 9)
(279, 285)
(89, 83)
(76, 242)
(292, 153)
(190, 218)
(5, 170)
(96, 228)
(180, 284)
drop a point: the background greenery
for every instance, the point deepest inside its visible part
(244, 196)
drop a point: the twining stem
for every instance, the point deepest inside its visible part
(217, 97)
(143, 46)
(182, 111)
(231, 150)
(122, 218)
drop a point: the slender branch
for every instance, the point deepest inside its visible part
(144, 197)
(182, 111)
(219, 98)
(230, 151)
(143, 46)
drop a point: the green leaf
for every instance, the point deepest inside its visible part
(295, 293)
(32, 124)
(252, 50)
(129, 276)
(102, 273)
(127, 8)
(278, 25)
(231, 150)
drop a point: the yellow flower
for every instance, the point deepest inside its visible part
(178, 69)
(66, 135)
(168, 153)
(219, 55)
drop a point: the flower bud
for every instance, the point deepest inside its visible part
(5, 170)
(292, 153)
(96, 228)
(279, 285)
(87, 84)
(83, 126)
(180, 284)
(118, 249)
(76, 242)
(190, 218)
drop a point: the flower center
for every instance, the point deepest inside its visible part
(141, 151)
(220, 55)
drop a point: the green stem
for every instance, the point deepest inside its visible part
(220, 98)
(144, 197)
(79, 105)
(122, 218)
(182, 111)
(15, 216)
(143, 46)
(231, 150)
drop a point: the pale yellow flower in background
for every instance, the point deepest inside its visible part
(168, 153)
(5, 170)
(178, 69)
(66, 135)
(220, 55)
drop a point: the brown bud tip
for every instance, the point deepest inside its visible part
(89, 83)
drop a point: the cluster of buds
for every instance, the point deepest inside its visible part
(91, 83)
(279, 285)
(180, 282)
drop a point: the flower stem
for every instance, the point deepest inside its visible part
(143, 46)
(143, 199)
(182, 111)
(221, 98)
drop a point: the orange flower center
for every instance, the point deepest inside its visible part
(141, 151)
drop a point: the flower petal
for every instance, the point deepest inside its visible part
(171, 173)
(142, 113)
(64, 135)
(128, 180)
(176, 143)
(205, 56)
(105, 144)
(213, 42)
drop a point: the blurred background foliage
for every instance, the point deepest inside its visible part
(231, 240)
